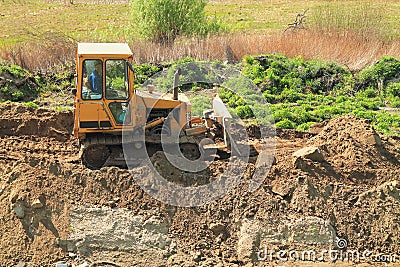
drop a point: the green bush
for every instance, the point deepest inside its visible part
(195, 75)
(305, 126)
(393, 89)
(281, 112)
(395, 102)
(300, 115)
(368, 104)
(263, 113)
(144, 71)
(17, 84)
(271, 98)
(303, 92)
(386, 123)
(379, 75)
(367, 93)
(15, 71)
(275, 73)
(365, 114)
(290, 95)
(286, 124)
(244, 112)
(162, 21)
(322, 76)
(200, 103)
(243, 86)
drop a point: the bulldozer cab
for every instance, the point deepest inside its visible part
(104, 87)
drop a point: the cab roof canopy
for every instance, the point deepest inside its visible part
(104, 49)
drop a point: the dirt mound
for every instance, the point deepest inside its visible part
(53, 208)
(367, 167)
(18, 119)
(353, 142)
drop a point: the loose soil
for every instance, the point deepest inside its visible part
(54, 209)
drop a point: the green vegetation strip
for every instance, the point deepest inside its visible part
(303, 92)
(297, 92)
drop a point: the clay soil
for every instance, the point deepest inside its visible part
(52, 207)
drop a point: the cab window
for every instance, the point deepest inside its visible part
(120, 112)
(92, 83)
(116, 79)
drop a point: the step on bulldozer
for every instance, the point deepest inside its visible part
(110, 112)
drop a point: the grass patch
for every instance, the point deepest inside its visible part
(111, 22)
(365, 18)
(31, 20)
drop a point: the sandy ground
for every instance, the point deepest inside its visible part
(342, 198)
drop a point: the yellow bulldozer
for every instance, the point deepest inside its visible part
(109, 111)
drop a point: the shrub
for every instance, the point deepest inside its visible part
(395, 102)
(276, 73)
(290, 95)
(286, 124)
(263, 113)
(368, 104)
(194, 75)
(200, 103)
(369, 115)
(378, 75)
(244, 112)
(305, 126)
(281, 112)
(386, 123)
(300, 115)
(17, 84)
(243, 86)
(271, 98)
(162, 21)
(144, 71)
(15, 71)
(393, 89)
(367, 93)
(324, 76)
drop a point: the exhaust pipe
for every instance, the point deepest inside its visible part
(176, 83)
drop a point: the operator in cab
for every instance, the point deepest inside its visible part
(94, 81)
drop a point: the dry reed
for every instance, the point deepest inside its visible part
(343, 47)
(346, 48)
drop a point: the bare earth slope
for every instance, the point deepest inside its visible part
(53, 208)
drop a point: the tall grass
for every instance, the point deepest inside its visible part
(46, 54)
(349, 49)
(363, 18)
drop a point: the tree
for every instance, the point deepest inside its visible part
(162, 21)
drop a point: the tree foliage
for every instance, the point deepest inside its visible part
(162, 21)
